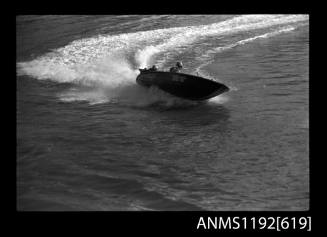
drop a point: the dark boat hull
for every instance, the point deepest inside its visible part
(182, 85)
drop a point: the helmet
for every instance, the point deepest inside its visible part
(179, 64)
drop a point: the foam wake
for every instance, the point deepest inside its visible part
(207, 57)
(107, 64)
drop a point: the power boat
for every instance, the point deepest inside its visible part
(182, 85)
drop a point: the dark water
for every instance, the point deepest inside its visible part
(89, 138)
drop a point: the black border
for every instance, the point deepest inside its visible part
(163, 221)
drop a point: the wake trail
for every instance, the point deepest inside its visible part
(207, 57)
(109, 63)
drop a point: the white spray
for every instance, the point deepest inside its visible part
(101, 65)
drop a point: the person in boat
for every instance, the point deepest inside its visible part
(177, 68)
(153, 68)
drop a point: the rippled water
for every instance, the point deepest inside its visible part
(90, 138)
